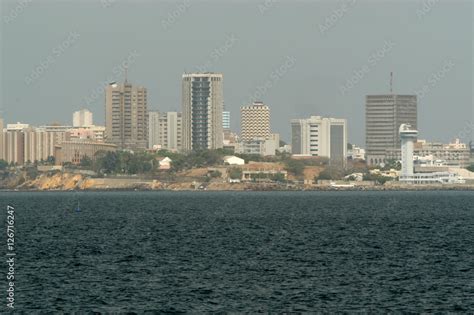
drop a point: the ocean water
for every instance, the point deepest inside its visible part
(244, 252)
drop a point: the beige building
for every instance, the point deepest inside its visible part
(82, 118)
(2, 157)
(255, 121)
(74, 151)
(165, 130)
(384, 114)
(202, 106)
(126, 116)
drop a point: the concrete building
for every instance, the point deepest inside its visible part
(202, 104)
(233, 160)
(82, 118)
(407, 175)
(454, 154)
(255, 121)
(318, 136)
(356, 153)
(226, 120)
(258, 146)
(165, 130)
(407, 137)
(126, 116)
(384, 114)
(2, 155)
(88, 133)
(74, 151)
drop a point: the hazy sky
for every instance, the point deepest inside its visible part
(296, 56)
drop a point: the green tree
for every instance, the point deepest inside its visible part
(295, 166)
(3, 164)
(470, 168)
(235, 173)
(86, 162)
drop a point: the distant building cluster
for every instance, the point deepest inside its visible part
(203, 123)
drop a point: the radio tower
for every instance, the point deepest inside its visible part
(391, 82)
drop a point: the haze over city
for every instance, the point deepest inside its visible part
(307, 51)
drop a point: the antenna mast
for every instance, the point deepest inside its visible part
(126, 74)
(391, 82)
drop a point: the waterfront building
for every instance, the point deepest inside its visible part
(202, 105)
(255, 121)
(75, 151)
(455, 154)
(82, 118)
(384, 114)
(318, 136)
(126, 116)
(165, 130)
(2, 152)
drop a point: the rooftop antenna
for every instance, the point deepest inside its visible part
(391, 82)
(126, 74)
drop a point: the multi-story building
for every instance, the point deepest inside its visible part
(317, 136)
(384, 114)
(202, 104)
(454, 154)
(126, 116)
(75, 151)
(165, 130)
(2, 155)
(255, 121)
(82, 118)
(226, 120)
(89, 133)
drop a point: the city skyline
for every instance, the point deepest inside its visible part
(322, 80)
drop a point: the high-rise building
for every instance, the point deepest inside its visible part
(202, 104)
(82, 118)
(2, 155)
(126, 116)
(226, 120)
(255, 121)
(165, 130)
(317, 136)
(384, 114)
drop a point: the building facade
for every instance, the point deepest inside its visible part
(318, 136)
(165, 130)
(75, 151)
(126, 116)
(202, 104)
(226, 120)
(82, 118)
(384, 114)
(255, 121)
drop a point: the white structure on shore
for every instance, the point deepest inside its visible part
(408, 137)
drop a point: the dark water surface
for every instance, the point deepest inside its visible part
(249, 251)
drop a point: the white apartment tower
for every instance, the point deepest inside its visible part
(203, 106)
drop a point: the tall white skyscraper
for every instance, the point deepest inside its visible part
(407, 137)
(82, 118)
(202, 104)
(319, 136)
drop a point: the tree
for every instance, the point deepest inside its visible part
(235, 173)
(470, 168)
(279, 177)
(3, 164)
(86, 161)
(215, 174)
(295, 166)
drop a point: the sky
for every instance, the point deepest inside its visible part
(301, 58)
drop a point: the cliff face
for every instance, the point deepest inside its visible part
(59, 181)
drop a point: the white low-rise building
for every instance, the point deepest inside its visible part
(233, 160)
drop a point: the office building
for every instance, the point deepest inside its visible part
(255, 121)
(75, 151)
(384, 114)
(318, 136)
(165, 130)
(82, 118)
(202, 105)
(126, 116)
(226, 120)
